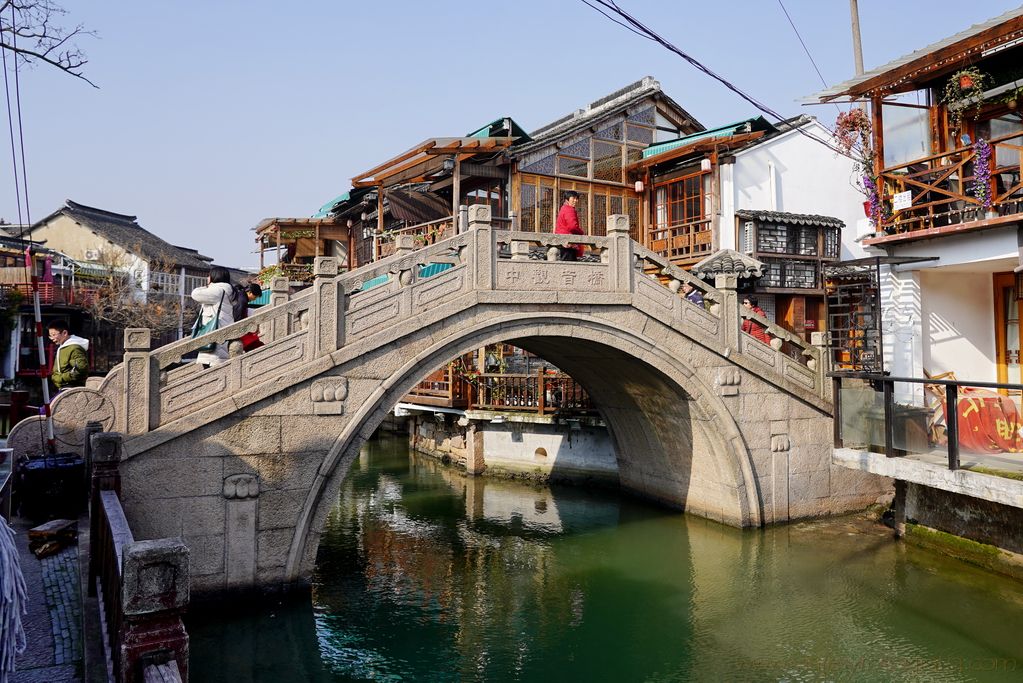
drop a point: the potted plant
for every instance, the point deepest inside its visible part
(1013, 97)
(963, 91)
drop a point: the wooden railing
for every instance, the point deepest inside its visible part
(445, 388)
(684, 243)
(541, 393)
(142, 587)
(51, 293)
(943, 190)
(424, 234)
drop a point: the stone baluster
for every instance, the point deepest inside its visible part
(91, 427)
(727, 283)
(154, 595)
(820, 363)
(619, 254)
(519, 250)
(280, 291)
(329, 302)
(105, 450)
(140, 404)
(484, 246)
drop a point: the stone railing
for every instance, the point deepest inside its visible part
(341, 309)
(142, 586)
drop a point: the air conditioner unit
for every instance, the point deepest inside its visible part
(92, 254)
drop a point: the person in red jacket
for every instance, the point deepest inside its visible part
(754, 327)
(568, 224)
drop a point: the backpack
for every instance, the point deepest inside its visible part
(239, 303)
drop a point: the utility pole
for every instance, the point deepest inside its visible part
(854, 13)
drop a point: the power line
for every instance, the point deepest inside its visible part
(647, 32)
(805, 49)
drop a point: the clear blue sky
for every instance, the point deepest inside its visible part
(211, 116)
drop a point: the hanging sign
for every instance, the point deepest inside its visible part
(902, 200)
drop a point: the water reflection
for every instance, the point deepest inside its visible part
(424, 574)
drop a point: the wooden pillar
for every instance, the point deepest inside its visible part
(277, 229)
(877, 132)
(380, 210)
(456, 191)
(316, 236)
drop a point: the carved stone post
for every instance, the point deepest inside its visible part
(280, 291)
(404, 244)
(821, 365)
(154, 595)
(330, 315)
(519, 250)
(241, 492)
(484, 246)
(91, 427)
(731, 321)
(140, 386)
(620, 258)
(105, 450)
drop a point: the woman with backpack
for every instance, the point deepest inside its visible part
(217, 300)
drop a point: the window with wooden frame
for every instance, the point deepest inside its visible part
(681, 228)
(596, 203)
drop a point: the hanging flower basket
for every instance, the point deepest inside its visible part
(964, 91)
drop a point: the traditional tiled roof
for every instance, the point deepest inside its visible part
(728, 262)
(125, 232)
(615, 102)
(790, 218)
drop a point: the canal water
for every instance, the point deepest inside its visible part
(427, 575)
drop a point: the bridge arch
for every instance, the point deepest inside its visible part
(675, 439)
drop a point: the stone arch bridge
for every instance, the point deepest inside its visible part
(243, 461)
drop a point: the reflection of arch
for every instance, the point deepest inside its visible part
(678, 405)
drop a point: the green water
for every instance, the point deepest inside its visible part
(426, 575)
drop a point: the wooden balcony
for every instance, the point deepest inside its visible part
(943, 197)
(424, 234)
(683, 243)
(50, 293)
(445, 388)
(541, 393)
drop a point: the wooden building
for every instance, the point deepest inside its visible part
(942, 178)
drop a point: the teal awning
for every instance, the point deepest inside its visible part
(324, 211)
(502, 127)
(737, 128)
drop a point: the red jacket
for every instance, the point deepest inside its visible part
(755, 328)
(568, 224)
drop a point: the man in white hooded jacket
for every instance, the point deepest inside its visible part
(217, 295)
(71, 362)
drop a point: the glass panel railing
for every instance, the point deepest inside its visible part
(862, 416)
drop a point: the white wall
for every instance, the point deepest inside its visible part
(959, 329)
(902, 330)
(809, 178)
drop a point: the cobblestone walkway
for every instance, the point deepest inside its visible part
(53, 622)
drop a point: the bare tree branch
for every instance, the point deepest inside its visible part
(31, 30)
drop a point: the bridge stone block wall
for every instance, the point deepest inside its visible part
(246, 464)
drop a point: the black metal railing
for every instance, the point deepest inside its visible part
(948, 392)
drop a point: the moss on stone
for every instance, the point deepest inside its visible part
(958, 546)
(981, 555)
(1018, 476)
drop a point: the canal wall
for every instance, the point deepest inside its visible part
(518, 446)
(980, 532)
